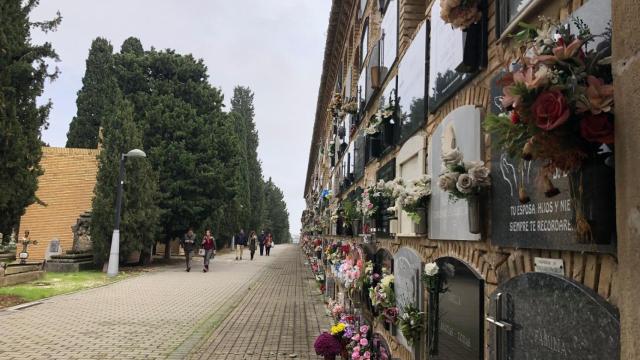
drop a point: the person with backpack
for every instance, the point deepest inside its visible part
(261, 239)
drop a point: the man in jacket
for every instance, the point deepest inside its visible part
(188, 244)
(241, 242)
(261, 242)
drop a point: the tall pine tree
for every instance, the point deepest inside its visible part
(23, 71)
(140, 211)
(94, 99)
(243, 109)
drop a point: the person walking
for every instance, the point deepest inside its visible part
(253, 240)
(241, 242)
(188, 243)
(268, 243)
(209, 246)
(261, 242)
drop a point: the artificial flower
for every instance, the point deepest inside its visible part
(465, 184)
(597, 128)
(550, 110)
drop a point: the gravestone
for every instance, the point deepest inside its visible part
(407, 266)
(53, 249)
(538, 316)
(411, 85)
(82, 233)
(448, 220)
(550, 223)
(461, 313)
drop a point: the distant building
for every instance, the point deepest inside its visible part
(66, 191)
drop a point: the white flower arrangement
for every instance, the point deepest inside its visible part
(462, 179)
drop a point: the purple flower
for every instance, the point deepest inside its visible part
(327, 345)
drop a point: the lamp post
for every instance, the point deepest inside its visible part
(114, 255)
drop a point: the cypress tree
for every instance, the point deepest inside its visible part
(242, 106)
(95, 98)
(140, 211)
(276, 213)
(23, 71)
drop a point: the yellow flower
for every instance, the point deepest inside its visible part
(338, 328)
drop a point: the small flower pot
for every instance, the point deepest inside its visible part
(421, 227)
(355, 227)
(473, 203)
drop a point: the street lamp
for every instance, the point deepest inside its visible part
(114, 255)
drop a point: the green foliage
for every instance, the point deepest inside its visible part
(510, 137)
(276, 218)
(351, 211)
(94, 100)
(243, 109)
(140, 211)
(23, 71)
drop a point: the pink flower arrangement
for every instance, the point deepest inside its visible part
(359, 346)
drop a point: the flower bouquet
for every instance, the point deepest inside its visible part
(460, 13)
(433, 280)
(411, 323)
(382, 296)
(350, 107)
(381, 116)
(464, 180)
(557, 104)
(414, 197)
(359, 347)
(336, 104)
(328, 346)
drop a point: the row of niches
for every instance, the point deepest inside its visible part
(445, 298)
(439, 186)
(522, 205)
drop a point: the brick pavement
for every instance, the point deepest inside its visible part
(279, 318)
(167, 313)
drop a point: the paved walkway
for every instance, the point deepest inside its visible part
(172, 314)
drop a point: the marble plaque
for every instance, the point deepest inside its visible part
(461, 313)
(552, 318)
(407, 266)
(550, 223)
(449, 220)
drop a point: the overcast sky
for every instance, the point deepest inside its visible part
(273, 46)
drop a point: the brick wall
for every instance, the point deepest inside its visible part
(67, 189)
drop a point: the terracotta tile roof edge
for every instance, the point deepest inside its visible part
(62, 150)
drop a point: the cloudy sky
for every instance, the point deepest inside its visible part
(273, 46)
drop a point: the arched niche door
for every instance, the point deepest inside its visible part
(550, 317)
(458, 330)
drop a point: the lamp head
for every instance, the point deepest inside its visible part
(136, 153)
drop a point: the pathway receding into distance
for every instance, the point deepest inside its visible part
(268, 308)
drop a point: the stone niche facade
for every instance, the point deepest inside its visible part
(590, 272)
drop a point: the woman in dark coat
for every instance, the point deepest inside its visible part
(253, 241)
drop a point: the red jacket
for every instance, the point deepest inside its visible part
(208, 243)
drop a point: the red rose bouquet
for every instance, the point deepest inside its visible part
(558, 100)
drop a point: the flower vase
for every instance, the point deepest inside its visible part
(473, 203)
(355, 227)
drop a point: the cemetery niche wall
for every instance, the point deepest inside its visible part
(550, 223)
(447, 220)
(411, 85)
(545, 316)
(460, 327)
